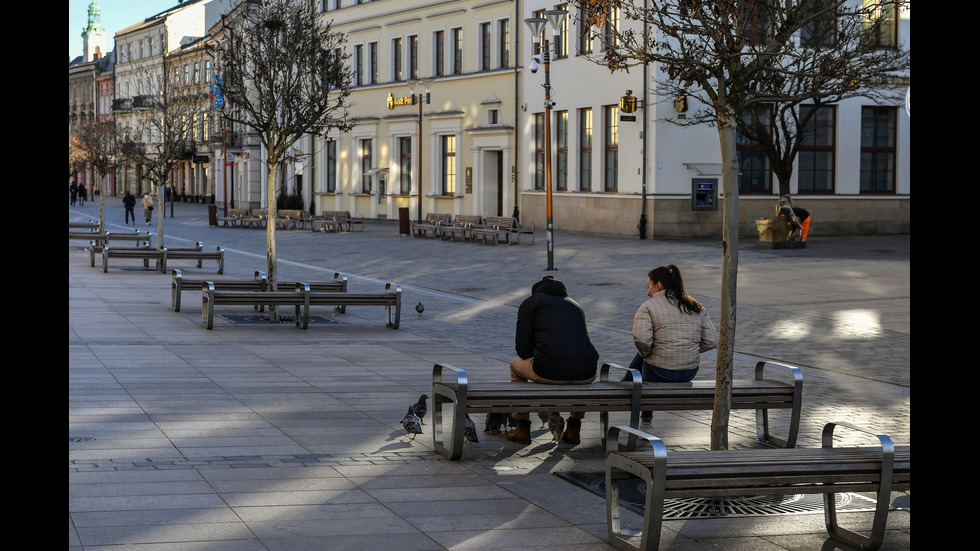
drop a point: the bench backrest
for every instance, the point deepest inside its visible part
(502, 222)
(437, 218)
(237, 213)
(291, 213)
(260, 213)
(468, 220)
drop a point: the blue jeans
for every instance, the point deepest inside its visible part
(655, 374)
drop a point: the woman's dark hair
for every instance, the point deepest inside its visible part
(670, 278)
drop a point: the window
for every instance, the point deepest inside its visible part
(562, 173)
(503, 36)
(448, 148)
(585, 149)
(756, 21)
(539, 156)
(881, 23)
(821, 31)
(187, 74)
(439, 50)
(610, 27)
(816, 157)
(584, 35)
(878, 149)
(405, 165)
(610, 140)
(413, 57)
(485, 47)
(457, 51)
(396, 59)
(754, 175)
(197, 72)
(561, 35)
(331, 166)
(373, 52)
(207, 71)
(366, 158)
(358, 65)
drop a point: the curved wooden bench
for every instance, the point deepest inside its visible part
(734, 473)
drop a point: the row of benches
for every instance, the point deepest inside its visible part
(498, 229)
(699, 474)
(290, 219)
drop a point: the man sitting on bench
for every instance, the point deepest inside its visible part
(553, 347)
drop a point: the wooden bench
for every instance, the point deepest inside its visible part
(499, 228)
(90, 226)
(179, 284)
(518, 230)
(161, 256)
(302, 299)
(258, 218)
(433, 222)
(760, 394)
(136, 236)
(234, 218)
(291, 219)
(95, 249)
(461, 226)
(603, 396)
(336, 221)
(753, 472)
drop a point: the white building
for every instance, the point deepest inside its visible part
(607, 169)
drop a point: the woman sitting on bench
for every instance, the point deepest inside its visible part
(670, 330)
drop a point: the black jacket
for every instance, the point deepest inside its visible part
(551, 328)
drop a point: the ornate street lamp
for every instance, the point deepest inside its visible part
(419, 98)
(555, 19)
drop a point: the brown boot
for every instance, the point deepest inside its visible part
(522, 433)
(571, 434)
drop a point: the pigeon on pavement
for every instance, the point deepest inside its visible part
(412, 423)
(420, 408)
(544, 418)
(469, 431)
(494, 421)
(556, 425)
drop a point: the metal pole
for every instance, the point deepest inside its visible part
(547, 156)
(418, 98)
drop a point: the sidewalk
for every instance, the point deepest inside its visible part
(273, 438)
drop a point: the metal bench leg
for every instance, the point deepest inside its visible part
(620, 468)
(762, 415)
(861, 541)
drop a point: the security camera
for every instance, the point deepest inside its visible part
(534, 65)
(550, 104)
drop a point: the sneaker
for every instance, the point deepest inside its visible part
(646, 424)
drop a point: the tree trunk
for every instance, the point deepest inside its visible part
(270, 235)
(729, 278)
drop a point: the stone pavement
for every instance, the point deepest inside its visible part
(267, 437)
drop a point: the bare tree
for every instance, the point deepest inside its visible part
(98, 141)
(283, 76)
(840, 55)
(162, 134)
(722, 53)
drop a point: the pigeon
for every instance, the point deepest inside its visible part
(494, 420)
(469, 431)
(544, 418)
(412, 423)
(419, 408)
(556, 425)
(419, 308)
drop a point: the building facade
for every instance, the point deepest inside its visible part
(608, 168)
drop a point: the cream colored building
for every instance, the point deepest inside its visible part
(467, 142)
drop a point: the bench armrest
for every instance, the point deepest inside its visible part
(883, 499)
(613, 444)
(762, 415)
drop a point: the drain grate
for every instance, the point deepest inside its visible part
(263, 319)
(632, 496)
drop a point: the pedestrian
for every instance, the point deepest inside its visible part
(798, 218)
(81, 194)
(147, 208)
(553, 347)
(129, 202)
(73, 192)
(670, 330)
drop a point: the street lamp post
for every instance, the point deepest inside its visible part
(554, 19)
(419, 99)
